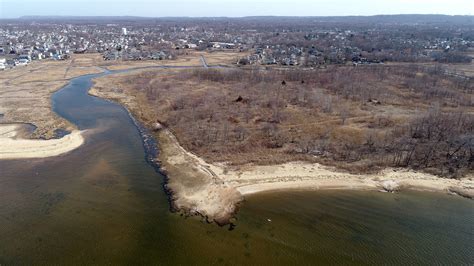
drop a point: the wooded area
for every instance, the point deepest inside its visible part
(358, 118)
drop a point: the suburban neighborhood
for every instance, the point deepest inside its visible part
(295, 42)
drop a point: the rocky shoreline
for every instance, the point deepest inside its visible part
(150, 146)
(154, 157)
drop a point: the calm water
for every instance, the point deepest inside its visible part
(103, 204)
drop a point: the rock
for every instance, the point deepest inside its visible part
(316, 152)
(157, 126)
(298, 150)
(374, 101)
(390, 186)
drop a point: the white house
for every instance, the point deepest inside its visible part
(22, 62)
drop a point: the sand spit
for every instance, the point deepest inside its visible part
(13, 147)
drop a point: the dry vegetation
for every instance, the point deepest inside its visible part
(358, 118)
(25, 92)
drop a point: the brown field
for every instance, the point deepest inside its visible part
(228, 58)
(463, 69)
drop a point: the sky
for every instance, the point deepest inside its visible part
(231, 8)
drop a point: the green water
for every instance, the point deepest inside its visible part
(103, 204)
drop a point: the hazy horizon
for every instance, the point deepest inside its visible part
(242, 8)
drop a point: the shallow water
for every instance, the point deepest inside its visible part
(103, 204)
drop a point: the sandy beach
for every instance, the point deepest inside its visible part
(302, 175)
(12, 146)
(215, 190)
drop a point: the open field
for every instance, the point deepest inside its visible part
(462, 69)
(465, 69)
(189, 58)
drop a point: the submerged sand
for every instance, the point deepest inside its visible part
(14, 147)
